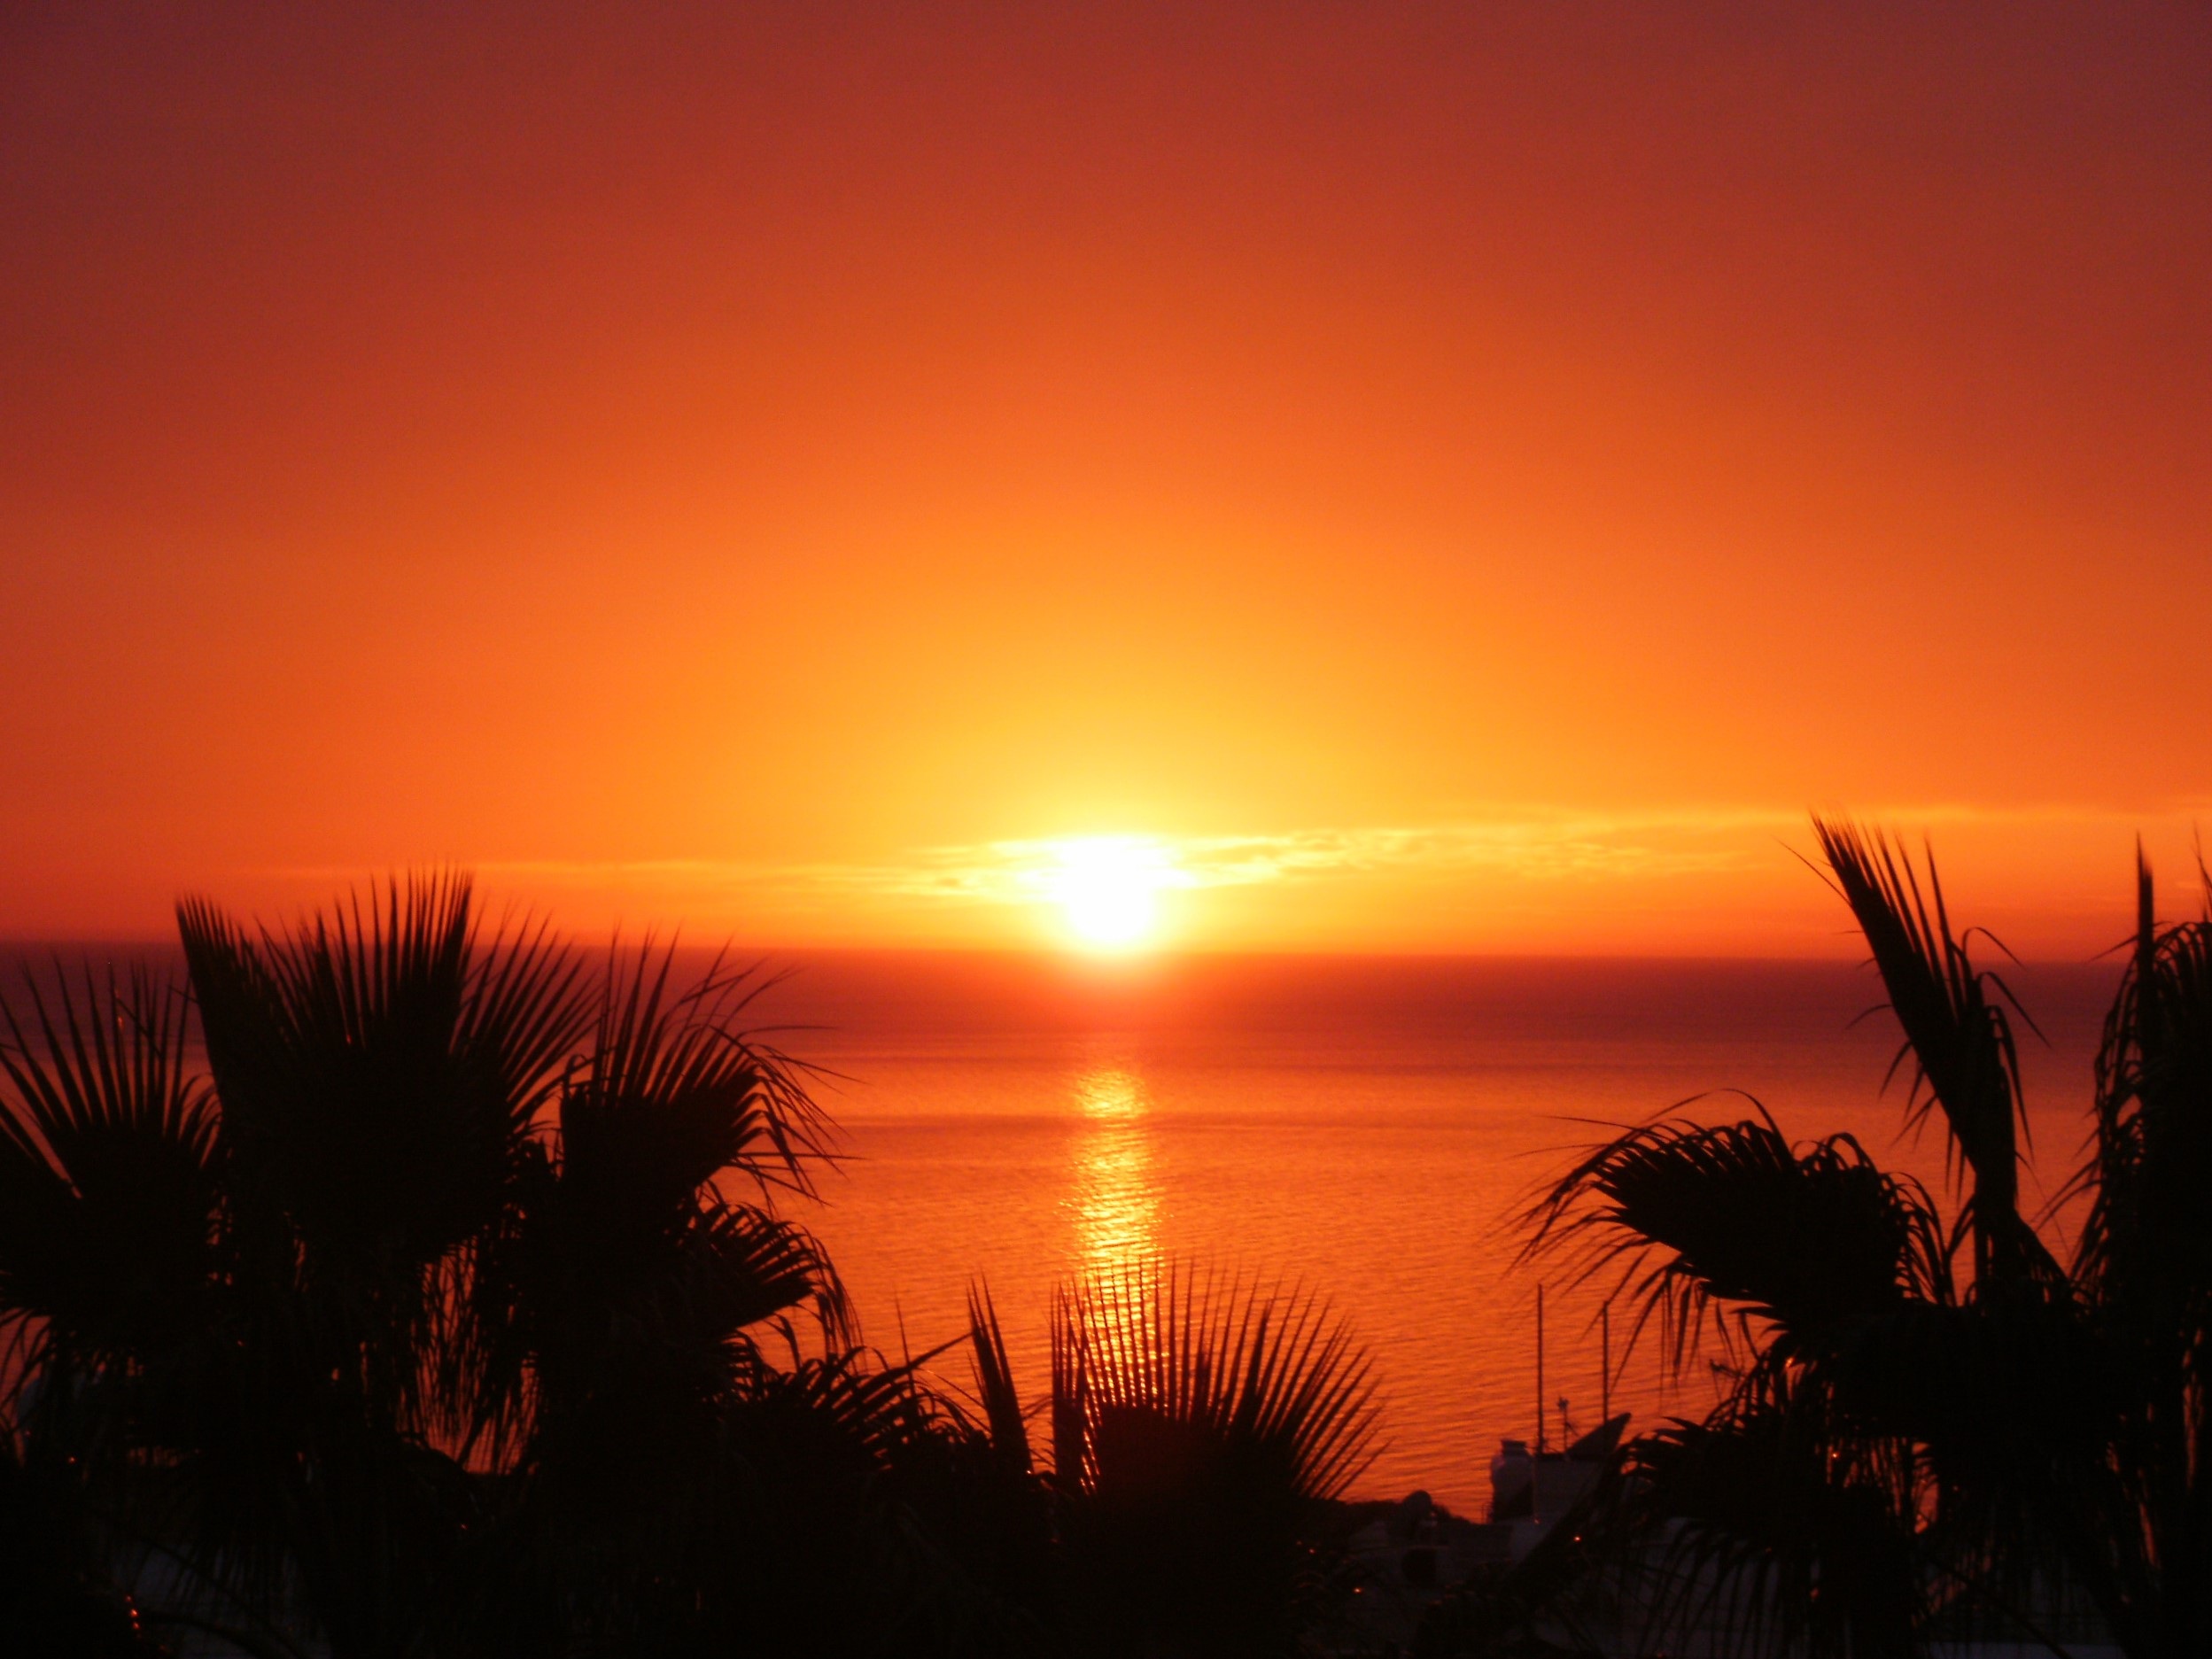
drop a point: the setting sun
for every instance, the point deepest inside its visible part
(1109, 888)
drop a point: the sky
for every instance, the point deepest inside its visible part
(1392, 477)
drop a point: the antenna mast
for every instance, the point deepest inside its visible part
(1539, 1372)
(1605, 1362)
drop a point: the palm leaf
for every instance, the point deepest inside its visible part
(1197, 1418)
(379, 1062)
(108, 1184)
(1783, 1531)
(995, 1384)
(624, 1280)
(675, 1093)
(1956, 1031)
(1731, 1223)
(2145, 1257)
(2152, 1160)
(380, 1067)
(1252, 1366)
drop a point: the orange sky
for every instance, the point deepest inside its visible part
(1459, 477)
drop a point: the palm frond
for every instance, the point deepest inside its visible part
(375, 1075)
(525, 1008)
(1772, 1528)
(1731, 1222)
(380, 1065)
(1248, 1364)
(2152, 1157)
(1956, 1033)
(2144, 1258)
(108, 1181)
(630, 1333)
(624, 1269)
(675, 1090)
(994, 1382)
(1197, 1417)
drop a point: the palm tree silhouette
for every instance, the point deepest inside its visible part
(1199, 1419)
(436, 1304)
(1934, 1425)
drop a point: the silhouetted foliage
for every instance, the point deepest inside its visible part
(440, 1314)
(1934, 1425)
(1198, 1420)
(448, 1311)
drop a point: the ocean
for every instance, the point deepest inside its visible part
(1367, 1129)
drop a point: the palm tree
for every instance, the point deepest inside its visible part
(2144, 1268)
(105, 1161)
(379, 1072)
(446, 1282)
(1198, 1420)
(660, 1455)
(1932, 1419)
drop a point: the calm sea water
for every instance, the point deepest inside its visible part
(1367, 1129)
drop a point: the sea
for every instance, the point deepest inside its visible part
(1368, 1131)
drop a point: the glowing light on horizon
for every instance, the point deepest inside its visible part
(1108, 889)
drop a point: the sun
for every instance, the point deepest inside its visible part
(1109, 888)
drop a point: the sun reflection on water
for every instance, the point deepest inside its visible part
(1113, 1196)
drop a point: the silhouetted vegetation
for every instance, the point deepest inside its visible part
(446, 1309)
(1940, 1424)
(1196, 1424)
(398, 1287)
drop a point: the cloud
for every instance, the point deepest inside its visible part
(1532, 845)
(1016, 871)
(1027, 871)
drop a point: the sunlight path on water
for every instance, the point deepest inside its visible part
(1113, 1193)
